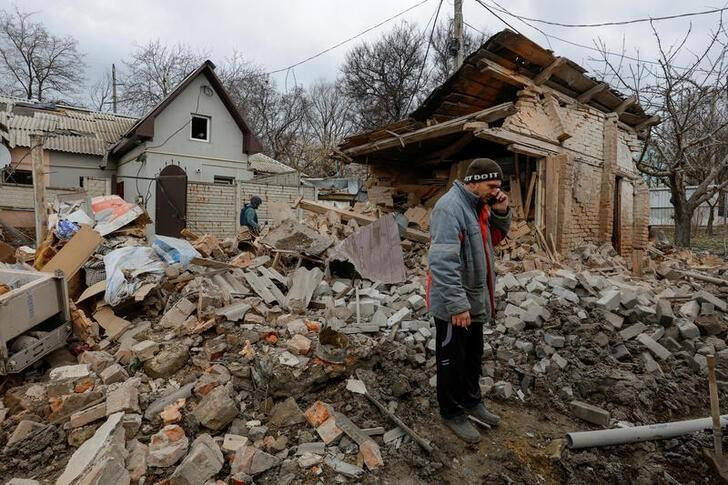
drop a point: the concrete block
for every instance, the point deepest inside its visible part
(703, 296)
(690, 310)
(609, 300)
(688, 330)
(660, 352)
(614, 320)
(113, 374)
(177, 315)
(707, 309)
(664, 313)
(559, 361)
(514, 325)
(565, 294)
(632, 331)
(555, 341)
(202, 462)
(590, 413)
(252, 461)
(503, 390)
(97, 360)
(167, 447)
(217, 409)
(316, 447)
(78, 371)
(124, 398)
(651, 366)
(400, 315)
(87, 416)
(416, 302)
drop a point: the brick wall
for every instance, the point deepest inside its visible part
(583, 225)
(273, 193)
(211, 209)
(609, 167)
(18, 196)
(215, 209)
(94, 186)
(641, 215)
(599, 150)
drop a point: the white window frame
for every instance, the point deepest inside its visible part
(209, 126)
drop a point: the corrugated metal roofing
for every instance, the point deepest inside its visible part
(68, 129)
(260, 162)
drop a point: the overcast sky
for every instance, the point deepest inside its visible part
(278, 33)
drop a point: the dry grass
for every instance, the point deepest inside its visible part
(701, 241)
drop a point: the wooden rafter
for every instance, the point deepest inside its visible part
(440, 129)
(625, 104)
(547, 71)
(652, 121)
(586, 96)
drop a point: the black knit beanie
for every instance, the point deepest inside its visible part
(482, 169)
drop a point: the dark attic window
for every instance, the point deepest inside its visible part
(200, 128)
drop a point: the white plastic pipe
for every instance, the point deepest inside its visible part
(619, 436)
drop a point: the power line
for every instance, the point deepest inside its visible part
(424, 61)
(622, 22)
(583, 46)
(497, 16)
(319, 54)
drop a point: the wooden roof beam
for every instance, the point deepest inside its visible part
(625, 104)
(548, 71)
(440, 129)
(652, 121)
(586, 96)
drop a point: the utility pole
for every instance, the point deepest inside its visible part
(113, 86)
(39, 185)
(459, 57)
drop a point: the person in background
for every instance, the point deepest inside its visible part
(249, 216)
(467, 222)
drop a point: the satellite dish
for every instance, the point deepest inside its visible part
(4, 156)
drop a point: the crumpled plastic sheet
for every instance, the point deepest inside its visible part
(174, 250)
(124, 266)
(66, 229)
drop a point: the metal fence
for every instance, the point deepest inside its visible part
(662, 211)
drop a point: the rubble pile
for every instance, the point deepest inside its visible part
(260, 360)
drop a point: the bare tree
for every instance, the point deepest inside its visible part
(34, 63)
(382, 78)
(101, 92)
(690, 146)
(329, 116)
(152, 71)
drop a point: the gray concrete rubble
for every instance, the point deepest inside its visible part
(257, 363)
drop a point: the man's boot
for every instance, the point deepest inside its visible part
(480, 413)
(463, 429)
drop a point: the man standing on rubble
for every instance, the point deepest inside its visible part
(249, 216)
(467, 222)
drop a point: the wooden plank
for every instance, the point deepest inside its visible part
(654, 120)
(551, 196)
(39, 188)
(501, 135)
(529, 194)
(516, 200)
(546, 73)
(411, 234)
(528, 151)
(586, 96)
(448, 127)
(625, 104)
(75, 253)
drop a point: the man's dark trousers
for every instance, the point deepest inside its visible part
(459, 355)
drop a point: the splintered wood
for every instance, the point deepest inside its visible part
(523, 245)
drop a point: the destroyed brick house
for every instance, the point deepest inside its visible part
(566, 142)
